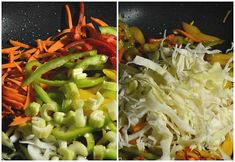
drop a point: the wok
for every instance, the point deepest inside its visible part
(28, 21)
(155, 17)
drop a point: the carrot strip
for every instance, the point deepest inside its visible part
(83, 29)
(187, 35)
(91, 28)
(132, 142)
(18, 120)
(39, 45)
(18, 67)
(4, 77)
(137, 127)
(14, 103)
(17, 97)
(69, 17)
(99, 21)
(10, 49)
(57, 45)
(121, 53)
(48, 42)
(18, 44)
(27, 101)
(8, 89)
(10, 65)
(154, 40)
(28, 52)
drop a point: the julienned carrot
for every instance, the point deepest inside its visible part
(153, 40)
(137, 127)
(11, 90)
(14, 103)
(83, 29)
(99, 21)
(17, 97)
(18, 44)
(121, 53)
(187, 35)
(91, 28)
(20, 120)
(27, 101)
(69, 17)
(57, 45)
(10, 65)
(18, 67)
(10, 49)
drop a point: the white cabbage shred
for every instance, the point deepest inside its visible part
(182, 99)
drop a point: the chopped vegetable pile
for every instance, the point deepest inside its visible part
(175, 96)
(59, 98)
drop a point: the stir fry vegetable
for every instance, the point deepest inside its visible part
(57, 94)
(175, 96)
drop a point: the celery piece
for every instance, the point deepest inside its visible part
(38, 121)
(112, 86)
(71, 91)
(112, 145)
(98, 152)
(80, 118)
(112, 110)
(66, 105)
(97, 119)
(33, 109)
(66, 153)
(77, 74)
(78, 148)
(69, 118)
(110, 154)
(42, 132)
(58, 117)
(46, 108)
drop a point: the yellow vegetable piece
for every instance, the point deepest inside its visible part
(196, 33)
(227, 146)
(137, 34)
(86, 94)
(221, 58)
(112, 74)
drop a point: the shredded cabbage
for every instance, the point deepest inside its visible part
(182, 98)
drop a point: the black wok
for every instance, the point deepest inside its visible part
(28, 21)
(154, 17)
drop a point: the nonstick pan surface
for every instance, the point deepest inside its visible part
(28, 21)
(155, 17)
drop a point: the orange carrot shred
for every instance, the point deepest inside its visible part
(91, 28)
(57, 45)
(18, 44)
(10, 65)
(18, 120)
(69, 17)
(14, 103)
(188, 35)
(99, 21)
(10, 49)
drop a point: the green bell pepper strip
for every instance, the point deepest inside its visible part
(69, 135)
(42, 94)
(93, 60)
(108, 30)
(55, 63)
(30, 65)
(56, 83)
(89, 82)
(90, 142)
(134, 152)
